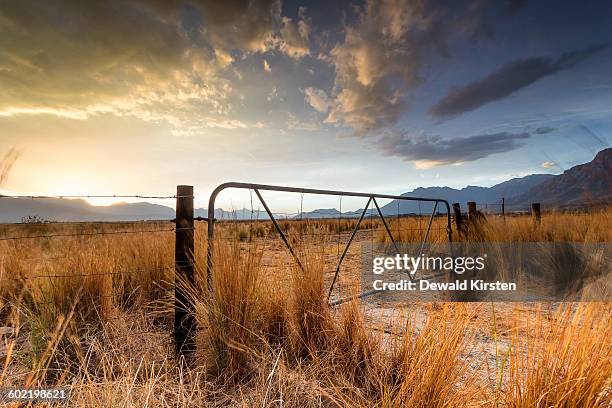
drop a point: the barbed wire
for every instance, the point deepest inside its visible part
(74, 275)
(77, 223)
(93, 233)
(71, 196)
(117, 297)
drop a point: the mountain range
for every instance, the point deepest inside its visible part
(56, 209)
(581, 186)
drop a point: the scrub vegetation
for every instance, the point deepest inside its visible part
(94, 313)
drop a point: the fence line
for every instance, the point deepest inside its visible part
(70, 196)
(184, 228)
(90, 234)
(77, 223)
(74, 275)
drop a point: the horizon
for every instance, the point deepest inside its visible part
(200, 202)
(367, 96)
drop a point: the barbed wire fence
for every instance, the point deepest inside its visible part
(17, 234)
(340, 240)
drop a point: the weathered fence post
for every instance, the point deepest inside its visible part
(535, 213)
(503, 208)
(471, 211)
(458, 218)
(184, 319)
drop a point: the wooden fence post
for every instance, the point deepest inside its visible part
(535, 213)
(471, 211)
(458, 218)
(503, 208)
(184, 319)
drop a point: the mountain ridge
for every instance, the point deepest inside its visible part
(582, 185)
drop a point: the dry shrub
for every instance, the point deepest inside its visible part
(555, 227)
(308, 317)
(426, 367)
(275, 314)
(232, 317)
(562, 362)
(358, 351)
(413, 229)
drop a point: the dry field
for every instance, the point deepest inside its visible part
(93, 313)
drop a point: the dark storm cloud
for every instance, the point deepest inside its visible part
(507, 80)
(544, 130)
(380, 58)
(428, 151)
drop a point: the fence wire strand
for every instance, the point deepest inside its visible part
(71, 196)
(91, 234)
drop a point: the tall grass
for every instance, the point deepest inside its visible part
(249, 325)
(565, 362)
(267, 342)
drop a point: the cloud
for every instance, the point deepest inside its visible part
(317, 98)
(507, 80)
(548, 165)
(295, 36)
(293, 123)
(122, 58)
(167, 61)
(247, 25)
(544, 130)
(379, 60)
(386, 41)
(429, 151)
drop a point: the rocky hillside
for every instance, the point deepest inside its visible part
(582, 185)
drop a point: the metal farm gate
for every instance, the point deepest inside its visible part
(371, 199)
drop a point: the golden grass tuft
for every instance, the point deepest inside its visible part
(562, 362)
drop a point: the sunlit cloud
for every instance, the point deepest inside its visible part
(295, 35)
(317, 98)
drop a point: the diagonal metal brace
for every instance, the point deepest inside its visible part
(426, 237)
(384, 221)
(278, 229)
(348, 244)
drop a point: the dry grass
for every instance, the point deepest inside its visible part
(566, 362)
(261, 343)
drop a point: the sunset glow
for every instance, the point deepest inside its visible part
(138, 97)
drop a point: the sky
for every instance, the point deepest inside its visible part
(136, 97)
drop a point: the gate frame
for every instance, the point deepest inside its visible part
(370, 196)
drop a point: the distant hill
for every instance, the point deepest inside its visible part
(55, 209)
(481, 195)
(330, 213)
(242, 214)
(582, 185)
